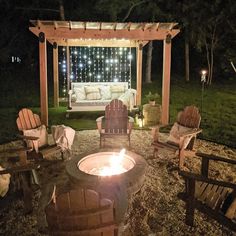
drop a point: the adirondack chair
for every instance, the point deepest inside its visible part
(182, 134)
(116, 121)
(214, 198)
(81, 211)
(23, 174)
(27, 123)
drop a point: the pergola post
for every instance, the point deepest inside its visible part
(68, 73)
(139, 53)
(55, 75)
(166, 79)
(43, 78)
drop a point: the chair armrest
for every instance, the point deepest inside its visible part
(23, 168)
(205, 156)
(190, 133)
(27, 137)
(99, 123)
(188, 175)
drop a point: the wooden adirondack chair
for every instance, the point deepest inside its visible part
(182, 134)
(116, 121)
(23, 175)
(216, 199)
(81, 212)
(26, 121)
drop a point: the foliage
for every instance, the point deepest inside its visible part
(152, 96)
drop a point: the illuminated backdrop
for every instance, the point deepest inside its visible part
(95, 64)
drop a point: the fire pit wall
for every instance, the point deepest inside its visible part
(119, 187)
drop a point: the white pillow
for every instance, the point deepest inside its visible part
(125, 98)
(105, 92)
(80, 94)
(93, 96)
(40, 132)
(117, 88)
(175, 133)
(4, 183)
(92, 93)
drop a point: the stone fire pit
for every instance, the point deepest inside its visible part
(118, 183)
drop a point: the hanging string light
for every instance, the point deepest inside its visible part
(97, 64)
(64, 71)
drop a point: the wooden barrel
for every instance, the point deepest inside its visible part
(81, 212)
(152, 114)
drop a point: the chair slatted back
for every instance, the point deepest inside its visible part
(27, 120)
(116, 117)
(189, 117)
(81, 212)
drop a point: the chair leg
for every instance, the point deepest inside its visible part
(181, 158)
(27, 192)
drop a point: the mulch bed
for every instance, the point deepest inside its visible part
(154, 210)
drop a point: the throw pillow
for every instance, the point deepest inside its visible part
(80, 94)
(105, 92)
(4, 183)
(92, 93)
(125, 98)
(117, 88)
(116, 95)
(175, 133)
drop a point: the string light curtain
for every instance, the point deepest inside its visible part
(96, 64)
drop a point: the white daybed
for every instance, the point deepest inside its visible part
(95, 96)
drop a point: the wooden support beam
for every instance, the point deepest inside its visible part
(96, 43)
(55, 76)
(139, 52)
(68, 71)
(126, 33)
(43, 79)
(166, 80)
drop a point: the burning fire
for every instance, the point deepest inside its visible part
(114, 166)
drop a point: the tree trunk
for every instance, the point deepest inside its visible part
(62, 10)
(149, 63)
(186, 58)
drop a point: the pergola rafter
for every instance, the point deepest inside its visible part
(102, 34)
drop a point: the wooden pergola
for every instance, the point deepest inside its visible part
(102, 34)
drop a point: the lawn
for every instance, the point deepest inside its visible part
(218, 110)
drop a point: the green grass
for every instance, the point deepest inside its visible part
(218, 111)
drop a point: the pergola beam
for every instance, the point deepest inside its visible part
(97, 43)
(136, 34)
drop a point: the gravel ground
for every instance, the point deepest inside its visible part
(154, 210)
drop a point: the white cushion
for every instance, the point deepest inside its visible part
(176, 132)
(92, 92)
(126, 97)
(80, 94)
(93, 96)
(117, 88)
(105, 92)
(40, 132)
(4, 183)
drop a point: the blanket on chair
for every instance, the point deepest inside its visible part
(63, 136)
